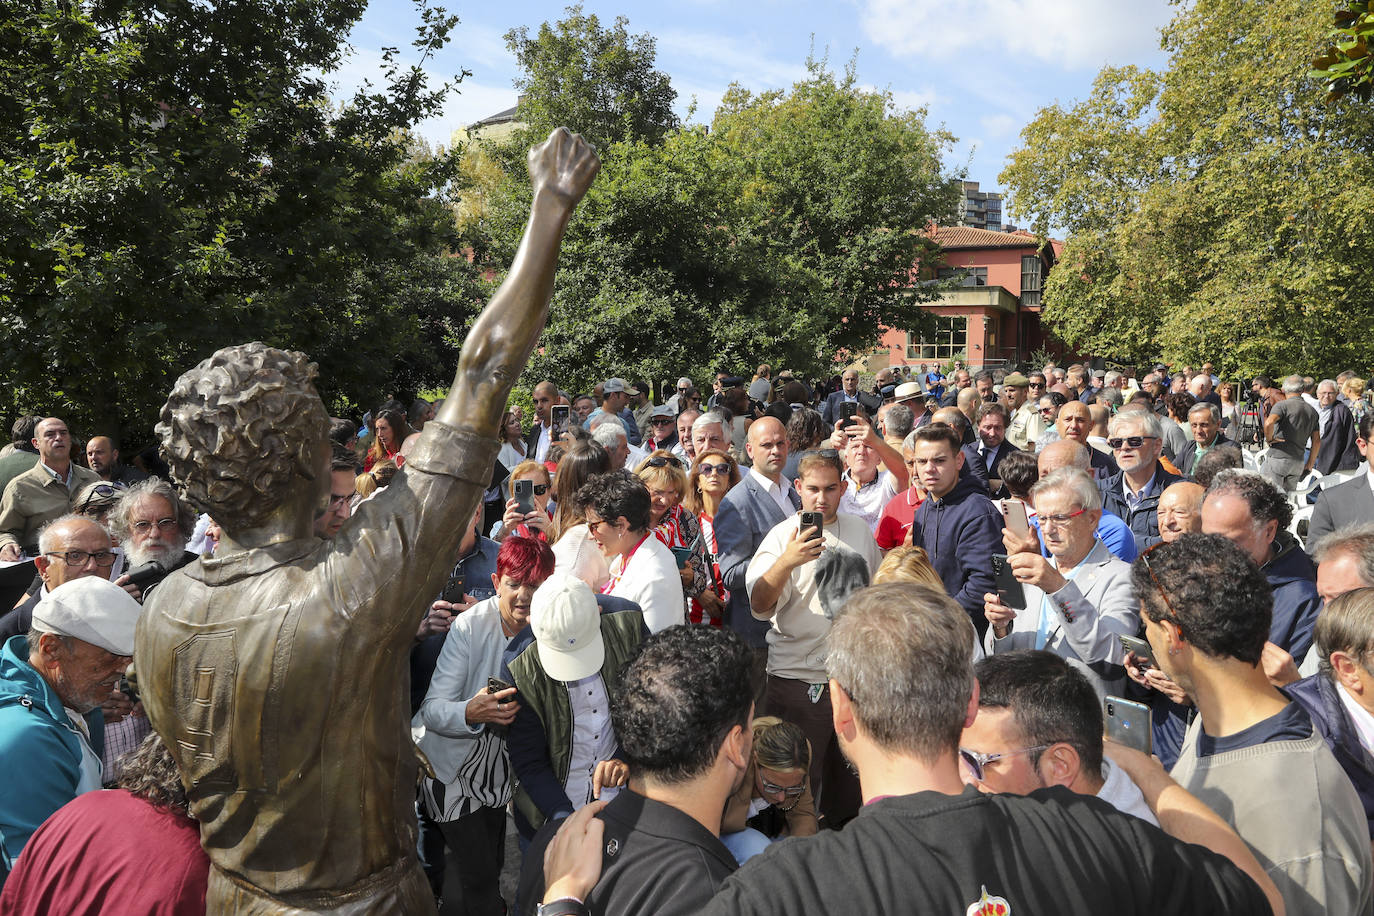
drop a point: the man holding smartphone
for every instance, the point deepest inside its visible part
(799, 578)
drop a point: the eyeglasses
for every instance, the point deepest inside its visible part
(662, 461)
(662, 421)
(162, 524)
(789, 791)
(1060, 520)
(977, 761)
(592, 526)
(103, 558)
(337, 501)
(1129, 441)
(1035, 384)
(1145, 558)
(713, 469)
(1047, 409)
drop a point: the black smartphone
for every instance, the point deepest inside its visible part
(847, 411)
(1141, 648)
(496, 685)
(454, 588)
(1008, 587)
(1128, 723)
(813, 520)
(523, 493)
(558, 420)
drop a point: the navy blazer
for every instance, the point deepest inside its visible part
(744, 516)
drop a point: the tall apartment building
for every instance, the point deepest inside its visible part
(980, 209)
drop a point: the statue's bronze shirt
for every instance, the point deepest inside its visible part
(277, 677)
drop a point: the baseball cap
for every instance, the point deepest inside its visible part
(907, 390)
(613, 386)
(662, 410)
(566, 622)
(93, 610)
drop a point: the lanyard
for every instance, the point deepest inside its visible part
(612, 582)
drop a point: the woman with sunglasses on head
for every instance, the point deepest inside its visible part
(773, 800)
(527, 524)
(672, 524)
(713, 474)
(575, 553)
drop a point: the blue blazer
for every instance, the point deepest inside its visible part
(745, 515)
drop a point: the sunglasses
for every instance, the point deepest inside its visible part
(1129, 441)
(1035, 385)
(104, 491)
(663, 461)
(662, 421)
(540, 489)
(977, 762)
(713, 469)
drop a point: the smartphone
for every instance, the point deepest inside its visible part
(454, 588)
(496, 685)
(1141, 648)
(1128, 723)
(1010, 590)
(847, 411)
(813, 520)
(1014, 513)
(523, 493)
(558, 420)
(682, 555)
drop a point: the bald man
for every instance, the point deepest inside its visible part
(1180, 510)
(1075, 422)
(1111, 529)
(763, 499)
(103, 457)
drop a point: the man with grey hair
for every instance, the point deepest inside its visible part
(610, 435)
(903, 688)
(43, 492)
(1133, 492)
(153, 524)
(1287, 429)
(708, 432)
(898, 423)
(1080, 599)
(69, 547)
(685, 450)
(1204, 420)
(1336, 426)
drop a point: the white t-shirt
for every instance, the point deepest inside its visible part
(800, 624)
(868, 503)
(651, 580)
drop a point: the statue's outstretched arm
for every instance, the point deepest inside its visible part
(503, 336)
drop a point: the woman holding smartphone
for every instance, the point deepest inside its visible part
(526, 516)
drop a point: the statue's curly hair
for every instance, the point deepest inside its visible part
(236, 431)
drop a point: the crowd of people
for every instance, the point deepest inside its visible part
(886, 620)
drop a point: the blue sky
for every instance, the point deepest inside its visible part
(981, 67)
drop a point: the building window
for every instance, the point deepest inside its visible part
(947, 340)
(1031, 282)
(967, 276)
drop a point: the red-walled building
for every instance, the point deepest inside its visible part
(994, 315)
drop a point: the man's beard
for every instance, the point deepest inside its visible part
(163, 553)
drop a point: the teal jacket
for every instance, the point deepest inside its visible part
(40, 749)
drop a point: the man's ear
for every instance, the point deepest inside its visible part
(842, 711)
(972, 712)
(736, 747)
(1060, 765)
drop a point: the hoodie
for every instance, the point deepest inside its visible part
(960, 533)
(1293, 580)
(40, 749)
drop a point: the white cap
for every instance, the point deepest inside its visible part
(566, 622)
(93, 610)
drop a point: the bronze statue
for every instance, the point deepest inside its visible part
(276, 672)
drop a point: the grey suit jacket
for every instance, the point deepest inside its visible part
(1349, 503)
(1097, 605)
(745, 515)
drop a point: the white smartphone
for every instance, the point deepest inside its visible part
(1014, 513)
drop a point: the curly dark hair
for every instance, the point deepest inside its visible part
(237, 432)
(1179, 403)
(679, 699)
(615, 494)
(150, 772)
(1267, 503)
(805, 429)
(1214, 462)
(1211, 590)
(1050, 701)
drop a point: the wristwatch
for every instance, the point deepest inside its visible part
(563, 906)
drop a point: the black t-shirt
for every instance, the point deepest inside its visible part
(1288, 724)
(1052, 852)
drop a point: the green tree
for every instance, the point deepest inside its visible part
(1213, 210)
(599, 82)
(786, 233)
(174, 179)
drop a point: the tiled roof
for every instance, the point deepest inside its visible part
(501, 117)
(968, 237)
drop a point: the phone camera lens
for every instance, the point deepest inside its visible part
(1111, 709)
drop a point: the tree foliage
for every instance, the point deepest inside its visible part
(1217, 209)
(1346, 63)
(599, 82)
(175, 179)
(785, 233)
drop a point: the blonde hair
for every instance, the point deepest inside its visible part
(669, 475)
(1354, 388)
(524, 467)
(780, 746)
(907, 564)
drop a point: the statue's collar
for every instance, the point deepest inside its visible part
(220, 570)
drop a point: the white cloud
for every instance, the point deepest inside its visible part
(999, 125)
(1069, 34)
(724, 58)
(911, 99)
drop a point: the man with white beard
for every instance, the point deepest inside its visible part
(152, 525)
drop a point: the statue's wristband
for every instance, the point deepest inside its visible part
(563, 906)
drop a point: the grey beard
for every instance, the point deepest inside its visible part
(164, 555)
